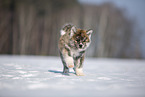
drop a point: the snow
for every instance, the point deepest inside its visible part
(39, 76)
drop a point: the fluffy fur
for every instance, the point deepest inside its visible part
(72, 46)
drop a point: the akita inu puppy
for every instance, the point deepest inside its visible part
(72, 46)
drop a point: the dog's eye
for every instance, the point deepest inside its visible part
(78, 40)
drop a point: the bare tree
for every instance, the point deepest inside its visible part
(32, 27)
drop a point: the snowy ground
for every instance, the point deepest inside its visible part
(37, 76)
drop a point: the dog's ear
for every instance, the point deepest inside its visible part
(89, 32)
(62, 32)
(73, 31)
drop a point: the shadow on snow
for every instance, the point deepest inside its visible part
(60, 72)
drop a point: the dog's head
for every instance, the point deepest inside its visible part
(81, 38)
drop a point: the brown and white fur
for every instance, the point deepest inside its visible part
(72, 46)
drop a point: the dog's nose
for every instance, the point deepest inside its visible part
(80, 45)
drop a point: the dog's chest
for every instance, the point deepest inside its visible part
(75, 53)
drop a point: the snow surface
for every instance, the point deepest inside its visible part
(38, 76)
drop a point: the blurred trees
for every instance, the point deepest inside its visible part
(32, 27)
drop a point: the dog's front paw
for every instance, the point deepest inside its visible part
(70, 66)
(79, 72)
